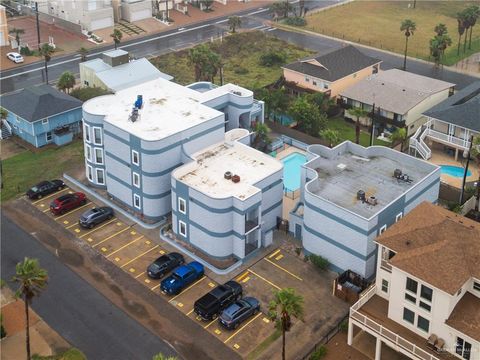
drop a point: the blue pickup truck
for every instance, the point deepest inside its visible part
(181, 277)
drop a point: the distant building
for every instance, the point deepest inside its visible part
(115, 71)
(450, 123)
(400, 98)
(426, 300)
(351, 194)
(135, 10)
(42, 115)
(227, 200)
(3, 27)
(330, 72)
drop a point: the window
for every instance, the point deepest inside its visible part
(97, 136)
(182, 205)
(382, 229)
(100, 177)
(463, 348)
(45, 121)
(476, 286)
(384, 286)
(425, 306)
(86, 83)
(136, 180)
(423, 323)
(89, 173)
(98, 156)
(88, 153)
(307, 79)
(354, 76)
(48, 136)
(86, 130)
(182, 228)
(426, 293)
(411, 285)
(408, 315)
(17, 118)
(410, 298)
(136, 201)
(398, 217)
(325, 86)
(135, 158)
(314, 82)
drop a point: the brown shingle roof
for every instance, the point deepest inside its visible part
(465, 317)
(436, 246)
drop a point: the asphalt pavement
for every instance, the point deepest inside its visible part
(76, 310)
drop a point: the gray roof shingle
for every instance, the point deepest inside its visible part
(336, 64)
(462, 109)
(38, 102)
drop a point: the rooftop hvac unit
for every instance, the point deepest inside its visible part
(236, 178)
(134, 115)
(372, 200)
(397, 173)
(361, 195)
(228, 175)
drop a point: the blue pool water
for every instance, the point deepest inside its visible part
(455, 171)
(292, 169)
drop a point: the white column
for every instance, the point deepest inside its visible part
(378, 349)
(350, 332)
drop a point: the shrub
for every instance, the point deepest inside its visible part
(319, 353)
(319, 262)
(88, 93)
(240, 70)
(298, 251)
(295, 21)
(3, 333)
(344, 325)
(271, 58)
(25, 50)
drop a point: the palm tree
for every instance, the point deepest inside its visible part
(408, 27)
(358, 113)
(46, 52)
(83, 54)
(160, 356)
(66, 81)
(117, 37)
(438, 46)
(285, 304)
(473, 14)
(460, 29)
(261, 134)
(17, 33)
(468, 24)
(399, 135)
(332, 136)
(32, 279)
(440, 29)
(234, 22)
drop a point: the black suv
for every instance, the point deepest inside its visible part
(209, 306)
(95, 216)
(164, 264)
(45, 188)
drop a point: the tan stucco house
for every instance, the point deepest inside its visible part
(330, 72)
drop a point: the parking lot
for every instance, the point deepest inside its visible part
(122, 243)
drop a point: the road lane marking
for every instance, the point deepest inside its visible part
(282, 268)
(49, 196)
(101, 226)
(124, 246)
(188, 288)
(273, 254)
(73, 210)
(135, 258)
(210, 323)
(243, 327)
(267, 281)
(111, 236)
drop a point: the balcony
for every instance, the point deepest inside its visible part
(385, 265)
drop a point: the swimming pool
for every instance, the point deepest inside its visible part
(292, 169)
(455, 171)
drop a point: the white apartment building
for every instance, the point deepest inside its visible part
(425, 302)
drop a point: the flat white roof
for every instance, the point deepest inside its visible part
(206, 173)
(168, 108)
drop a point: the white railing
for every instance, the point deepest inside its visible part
(384, 332)
(385, 265)
(447, 138)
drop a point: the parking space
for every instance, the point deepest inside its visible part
(124, 245)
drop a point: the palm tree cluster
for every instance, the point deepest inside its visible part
(439, 43)
(234, 22)
(117, 37)
(466, 20)
(281, 9)
(205, 61)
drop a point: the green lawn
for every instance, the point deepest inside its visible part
(240, 54)
(22, 171)
(347, 132)
(377, 24)
(71, 354)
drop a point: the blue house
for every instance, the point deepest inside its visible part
(43, 115)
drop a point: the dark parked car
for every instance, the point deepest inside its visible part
(210, 305)
(67, 202)
(182, 277)
(238, 312)
(164, 264)
(95, 216)
(45, 188)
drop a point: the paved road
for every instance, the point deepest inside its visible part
(79, 313)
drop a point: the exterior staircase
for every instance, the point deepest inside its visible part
(417, 143)
(5, 130)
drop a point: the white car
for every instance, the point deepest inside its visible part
(15, 57)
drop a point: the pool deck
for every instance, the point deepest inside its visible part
(440, 158)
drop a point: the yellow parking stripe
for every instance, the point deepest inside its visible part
(111, 236)
(267, 281)
(70, 226)
(143, 273)
(274, 253)
(135, 258)
(124, 246)
(155, 287)
(243, 327)
(242, 276)
(97, 228)
(281, 268)
(46, 210)
(49, 196)
(72, 211)
(188, 288)
(210, 323)
(189, 312)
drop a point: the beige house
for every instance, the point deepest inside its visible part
(3, 27)
(133, 10)
(400, 98)
(331, 72)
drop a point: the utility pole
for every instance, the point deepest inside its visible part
(466, 170)
(38, 24)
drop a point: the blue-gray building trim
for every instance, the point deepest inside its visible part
(142, 194)
(272, 185)
(273, 207)
(229, 103)
(139, 169)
